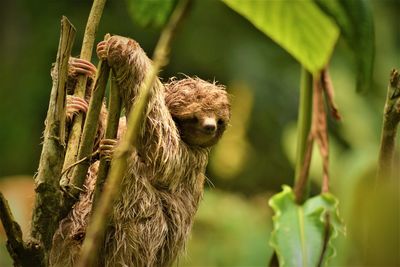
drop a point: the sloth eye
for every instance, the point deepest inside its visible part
(194, 120)
(220, 122)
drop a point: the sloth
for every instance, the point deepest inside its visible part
(164, 182)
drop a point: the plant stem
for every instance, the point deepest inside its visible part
(114, 112)
(48, 197)
(88, 136)
(96, 229)
(391, 119)
(303, 131)
(86, 53)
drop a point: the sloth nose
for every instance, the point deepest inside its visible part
(209, 125)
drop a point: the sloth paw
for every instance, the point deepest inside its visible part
(107, 147)
(102, 50)
(75, 105)
(81, 66)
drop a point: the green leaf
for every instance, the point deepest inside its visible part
(356, 23)
(299, 231)
(300, 27)
(152, 13)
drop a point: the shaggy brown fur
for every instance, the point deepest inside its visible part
(68, 238)
(163, 185)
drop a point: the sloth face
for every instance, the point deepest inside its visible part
(202, 129)
(200, 110)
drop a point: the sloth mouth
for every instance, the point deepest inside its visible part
(198, 137)
(205, 133)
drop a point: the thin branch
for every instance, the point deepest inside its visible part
(94, 154)
(301, 186)
(15, 244)
(391, 119)
(327, 86)
(319, 127)
(88, 137)
(23, 254)
(86, 53)
(46, 212)
(136, 118)
(303, 130)
(114, 112)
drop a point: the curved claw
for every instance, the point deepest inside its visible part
(82, 66)
(75, 104)
(101, 50)
(107, 147)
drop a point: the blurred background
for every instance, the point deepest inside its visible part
(256, 155)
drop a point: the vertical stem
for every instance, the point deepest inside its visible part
(86, 53)
(114, 112)
(303, 131)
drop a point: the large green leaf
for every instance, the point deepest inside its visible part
(150, 12)
(300, 27)
(356, 23)
(299, 231)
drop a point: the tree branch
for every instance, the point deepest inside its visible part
(391, 119)
(23, 254)
(114, 112)
(86, 53)
(48, 197)
(96, 229)
(15, 244)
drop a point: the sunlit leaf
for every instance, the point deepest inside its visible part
(356, 24)
(300, 27)
(150, 12)
(299, 231)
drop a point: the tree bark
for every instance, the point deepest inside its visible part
(48, 196)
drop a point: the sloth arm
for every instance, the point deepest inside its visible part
(159, 145)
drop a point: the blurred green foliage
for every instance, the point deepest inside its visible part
(300, 27)
(150, 12)
(256, 156)
(357, 27)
